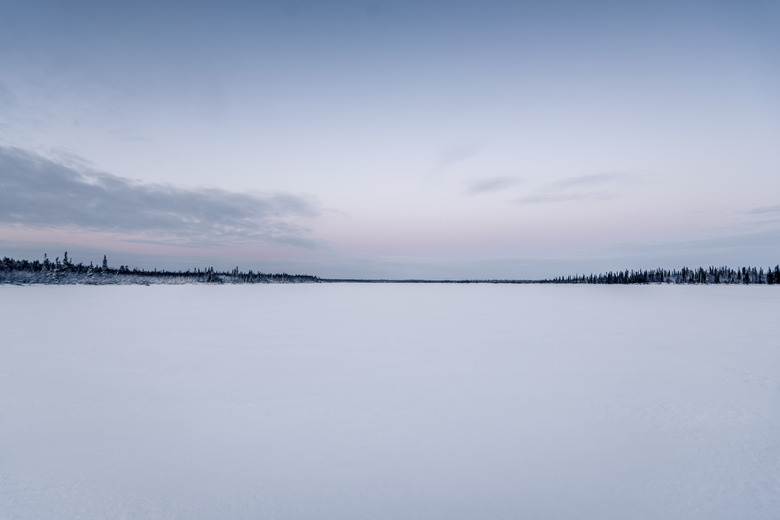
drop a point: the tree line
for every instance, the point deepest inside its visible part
(711, 275)
(65, 271)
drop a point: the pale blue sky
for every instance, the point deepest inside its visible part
(392, 139)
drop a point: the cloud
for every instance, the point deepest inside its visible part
(39, 192)
(454, 155)
(458, 153)
(765, 210)
(563, 197)
(490, 185)
(595, 179)
(582, 188)
(732, 246)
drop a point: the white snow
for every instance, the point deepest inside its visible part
(390, 401)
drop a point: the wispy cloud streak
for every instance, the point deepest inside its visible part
(595, 179)
(491, 184)
(39, 192)
(765, 210)
(581, 188)
(564, 197)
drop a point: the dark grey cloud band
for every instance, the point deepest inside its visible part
(37, 191)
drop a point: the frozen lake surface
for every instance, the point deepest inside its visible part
(390, 401)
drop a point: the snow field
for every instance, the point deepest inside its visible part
(344, 401)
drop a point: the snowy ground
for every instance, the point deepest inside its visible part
(390, 401)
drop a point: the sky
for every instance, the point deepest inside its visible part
(392, 139)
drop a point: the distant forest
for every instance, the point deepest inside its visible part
(65, 271)
(710, 275)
